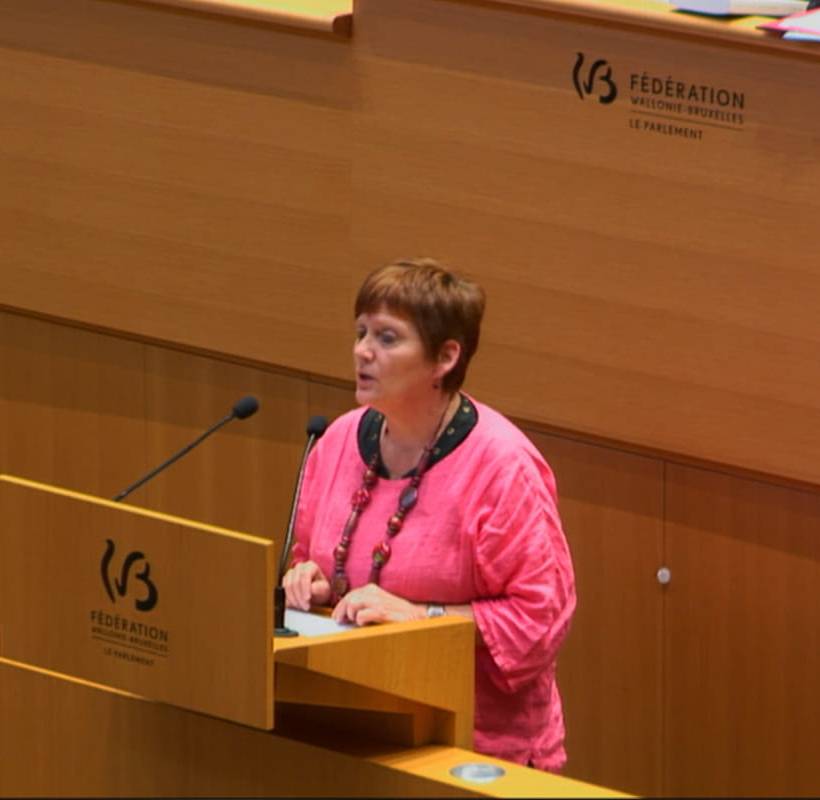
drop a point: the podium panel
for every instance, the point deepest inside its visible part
(153, 605)
(101, 744)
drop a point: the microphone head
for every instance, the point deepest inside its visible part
(316, 426)
(245, 407)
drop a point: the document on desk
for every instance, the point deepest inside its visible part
(307, 624)
(807, 23)
(726, 8)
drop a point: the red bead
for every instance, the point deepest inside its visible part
(394, 524)
(381, 553)
(370, 478)
(340, 553)
(361, 497)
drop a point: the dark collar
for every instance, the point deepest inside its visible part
(463, 422)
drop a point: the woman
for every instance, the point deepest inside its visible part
(453, 510)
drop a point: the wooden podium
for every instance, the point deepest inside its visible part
(136, 601)
(136, 659)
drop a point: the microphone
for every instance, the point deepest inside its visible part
(315, 428)
(242, 409)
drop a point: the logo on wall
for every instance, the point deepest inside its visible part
(120, 585)
(597, 80)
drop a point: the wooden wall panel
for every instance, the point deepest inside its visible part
(72, 405)
(330, 400)
(94, 413)
(191, 211)
(610, 670)
(613, 258)
(742, 647)
(632, 276)
(242, 477)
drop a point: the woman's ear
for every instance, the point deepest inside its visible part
(448, 357)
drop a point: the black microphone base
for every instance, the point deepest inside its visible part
(279, 627)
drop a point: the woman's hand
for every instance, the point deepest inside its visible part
(305, 585)
(371, 603)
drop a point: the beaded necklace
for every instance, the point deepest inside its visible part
(340, 585)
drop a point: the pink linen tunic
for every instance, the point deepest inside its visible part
(485, 531)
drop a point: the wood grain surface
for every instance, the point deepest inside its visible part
(742, 647)
(327, 16)
(91, 737)
(171, 629)
(645, 288)
(610, 671)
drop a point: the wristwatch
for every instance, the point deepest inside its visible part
(434, 610)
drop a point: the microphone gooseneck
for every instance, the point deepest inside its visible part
(242, 409)
(315, 428)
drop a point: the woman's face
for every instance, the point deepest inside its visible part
(391, 366)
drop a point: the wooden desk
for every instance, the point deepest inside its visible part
(64, 737)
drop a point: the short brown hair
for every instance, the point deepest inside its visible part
(441, 304)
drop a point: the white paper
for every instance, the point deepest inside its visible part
(307, 624)
(798, 36)
(762, 8)
(803, 23)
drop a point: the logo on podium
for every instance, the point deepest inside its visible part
(597, 80)
(120, 584)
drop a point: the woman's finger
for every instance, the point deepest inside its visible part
(339, 613)
(305, 580)
(287, 585)
(369, 615)
(353, 607)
